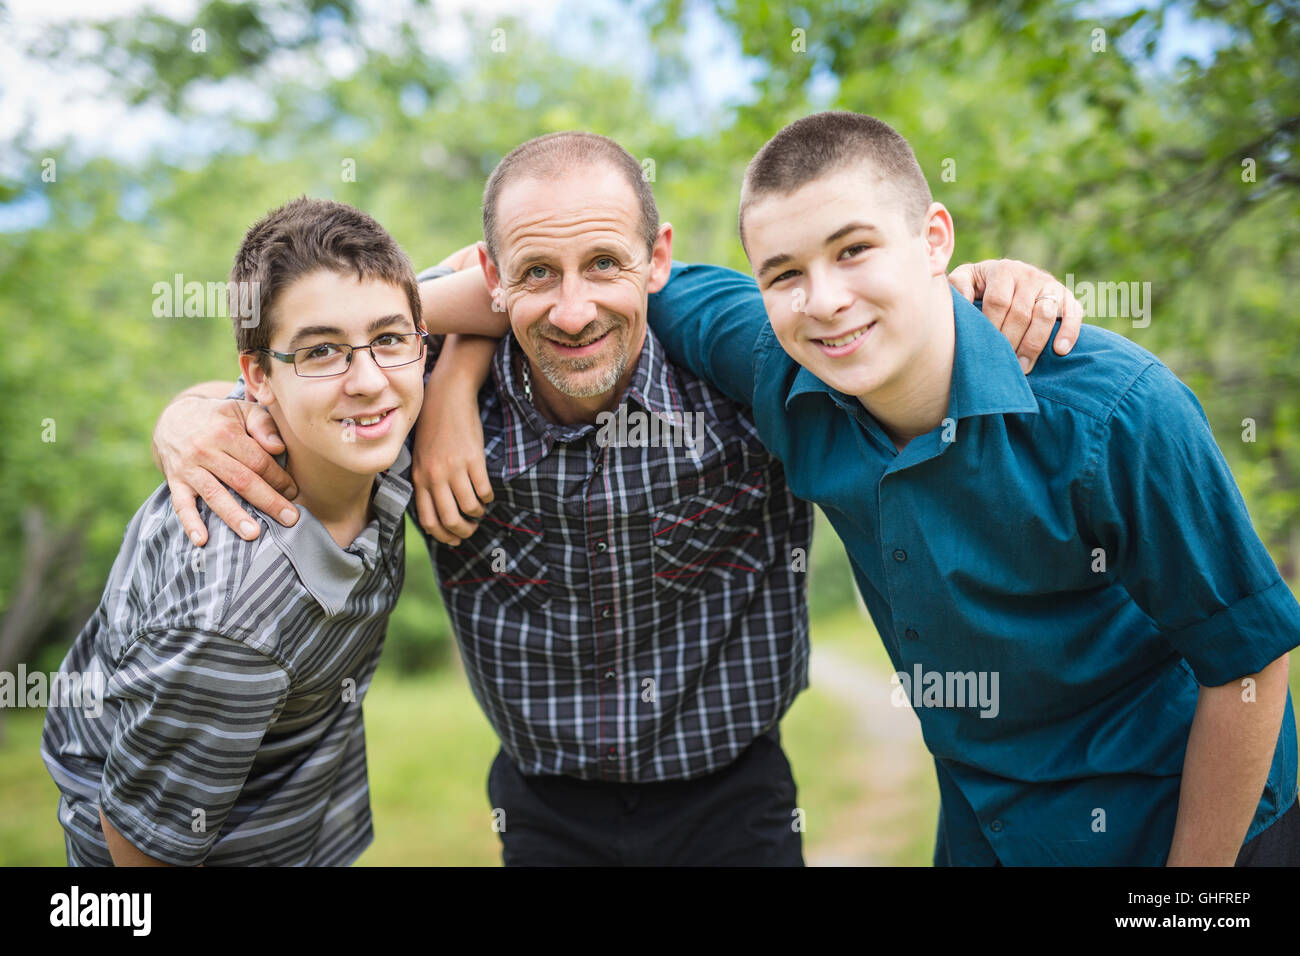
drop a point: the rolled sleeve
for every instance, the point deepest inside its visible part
(709, 320)
(194, 708)
(1174, 523)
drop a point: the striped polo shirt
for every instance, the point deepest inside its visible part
(231, 729)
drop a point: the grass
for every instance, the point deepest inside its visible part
(430, 749)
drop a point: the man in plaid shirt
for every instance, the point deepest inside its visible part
(630, 604)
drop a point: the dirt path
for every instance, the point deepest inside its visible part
(891, 760)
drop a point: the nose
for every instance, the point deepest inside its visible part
(364, 374)
(574, 310)
(827, 293)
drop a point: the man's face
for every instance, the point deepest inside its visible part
(847, 282)
(574, 274)
(355, 422)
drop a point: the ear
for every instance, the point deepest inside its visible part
(661, 258)
(940, 238)
(257, 383)
(491, 275)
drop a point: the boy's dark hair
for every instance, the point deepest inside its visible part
(828, 142)
(556, 153)
(304, 236)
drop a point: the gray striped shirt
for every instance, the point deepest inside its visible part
(231, 728)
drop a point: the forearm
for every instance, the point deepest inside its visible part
(1229, 751)
(461, 303)
(462, 367)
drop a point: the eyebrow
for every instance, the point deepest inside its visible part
(784, 257)
(312, 331)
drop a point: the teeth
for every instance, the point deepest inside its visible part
(368, 420)
(836, 343)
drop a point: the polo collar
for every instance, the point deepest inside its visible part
(328, 572)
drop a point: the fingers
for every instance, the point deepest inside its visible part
(466, 498)
(248, 482)
(224, 506)
(429, 517)
(261, 426)
(999, 295)
(184, 504)
(963, 280)
(1040, 330)
(482, 486)
(1070, 325)
(449, 512)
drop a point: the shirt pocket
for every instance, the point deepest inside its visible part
(714, 540)
(505, 557)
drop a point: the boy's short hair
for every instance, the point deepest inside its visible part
(304, 236)
(829, 142)
(556, 153)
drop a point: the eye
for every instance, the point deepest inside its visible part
(538, 272)
(322, 351)
(605, 263)
(853, 250)
(784, 275)
(387, 338)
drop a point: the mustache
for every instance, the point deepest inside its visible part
(589, 332)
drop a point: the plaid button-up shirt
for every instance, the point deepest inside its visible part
(633, 605)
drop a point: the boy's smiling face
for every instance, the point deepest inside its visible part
(848, 283)
(322, 420)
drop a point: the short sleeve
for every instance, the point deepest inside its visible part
(194, 708)
(709, 320)
(1170, 517)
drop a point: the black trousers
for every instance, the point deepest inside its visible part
(1278, 845)
(742, 815)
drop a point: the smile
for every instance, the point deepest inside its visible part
(566, 349)
(369, 426)
(372, 419)
(842, 345)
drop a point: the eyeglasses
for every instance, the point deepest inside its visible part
(390, 350)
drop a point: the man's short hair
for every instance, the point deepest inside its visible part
(301, 237)
(557, 153)
(827, 143)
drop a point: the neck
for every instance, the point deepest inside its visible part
(340, 500)
(918, 400)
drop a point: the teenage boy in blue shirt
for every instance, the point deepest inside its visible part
(1061, 567)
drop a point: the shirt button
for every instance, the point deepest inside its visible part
(611, 753)
(911, 634)
(900, 555)
(607, 612)
(996, 826)
(602, 547)
(609, 674)
(596, 468)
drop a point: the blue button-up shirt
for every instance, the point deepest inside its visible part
(1054, 571)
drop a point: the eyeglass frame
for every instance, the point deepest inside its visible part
(352, 350)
